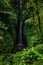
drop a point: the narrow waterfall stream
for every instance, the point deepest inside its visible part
(20, 36)
(19, 41)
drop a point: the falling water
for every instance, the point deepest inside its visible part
(19, 45)
(20, 42)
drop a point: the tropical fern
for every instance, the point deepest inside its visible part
(8, 21)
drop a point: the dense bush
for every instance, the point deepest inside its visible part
(30, 56)
(33, 25)
(8, 21)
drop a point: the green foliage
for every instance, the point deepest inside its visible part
(3, 26)
(33, 32)
(8, 21)
(27, 57)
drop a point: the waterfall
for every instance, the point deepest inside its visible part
(20, 42)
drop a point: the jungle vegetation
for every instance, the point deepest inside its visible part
(32, 14)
